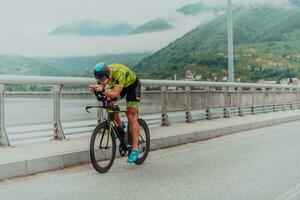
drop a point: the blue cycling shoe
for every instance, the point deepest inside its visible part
(133, 156)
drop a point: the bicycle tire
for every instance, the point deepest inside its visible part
(101, 129)
(145, 153)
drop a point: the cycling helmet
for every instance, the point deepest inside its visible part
(101, 71)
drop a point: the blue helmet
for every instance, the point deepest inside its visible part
(101, 71)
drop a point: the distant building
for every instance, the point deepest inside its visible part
(198, 77)
(189, 76)
(295, 81)
(284, 81)
(172, 88)
(292, 81)
(266, 82)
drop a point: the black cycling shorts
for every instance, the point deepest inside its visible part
(133, 94)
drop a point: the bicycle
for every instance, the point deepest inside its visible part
(109, 131)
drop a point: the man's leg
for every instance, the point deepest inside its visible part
(117, 116)
(118, 119)
(133, 99)
(134, 126)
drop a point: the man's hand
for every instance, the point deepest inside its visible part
(96, 88)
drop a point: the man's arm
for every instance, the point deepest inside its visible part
(114, 93)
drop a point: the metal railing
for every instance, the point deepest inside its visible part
(231, 98)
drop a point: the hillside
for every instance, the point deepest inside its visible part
(72, 66)
(18, 65)
(265, 38)
(295, 2)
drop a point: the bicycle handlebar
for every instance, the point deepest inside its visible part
(101, 97)
(107, 103)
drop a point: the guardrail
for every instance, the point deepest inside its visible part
(239, 98)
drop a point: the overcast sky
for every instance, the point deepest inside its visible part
(25, 24)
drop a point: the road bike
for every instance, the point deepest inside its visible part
(108, 135)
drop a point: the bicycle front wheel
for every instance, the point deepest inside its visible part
(102, 148)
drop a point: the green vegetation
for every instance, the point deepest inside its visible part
(266, 39)
(266, 47)
(72, 66)
(295, 2)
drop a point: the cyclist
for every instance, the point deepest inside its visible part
(121, 81)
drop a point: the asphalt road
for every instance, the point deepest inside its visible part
(261, 164)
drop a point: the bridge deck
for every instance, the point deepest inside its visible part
(259, 164)
(25, 159)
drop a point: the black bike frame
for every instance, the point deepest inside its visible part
(111, 123)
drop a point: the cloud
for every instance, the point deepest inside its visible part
(247, 2)
(72, 45)
(25, 28)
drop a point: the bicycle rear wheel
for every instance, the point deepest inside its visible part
(102, 148)
(144, 141)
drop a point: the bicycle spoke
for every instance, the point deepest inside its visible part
(102, 148)
(102, 136)
(141, 137)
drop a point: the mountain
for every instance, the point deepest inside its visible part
(93, 28)
(266, 46)
(70, 66)
(18, 65)
(196, 8)
(295, 2)
(153, 26)
(83, 66)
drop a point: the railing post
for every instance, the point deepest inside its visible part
(208, 111)
(241, 109)
(283, 104)
(188, 115)
(253, 108)
(274, 100)
(4, 141)
(165, 118)
(297, 99)
(292, 100)
(226, 113)
(264, 99)
(58, 130)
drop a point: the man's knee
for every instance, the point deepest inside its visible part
(131, 114)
